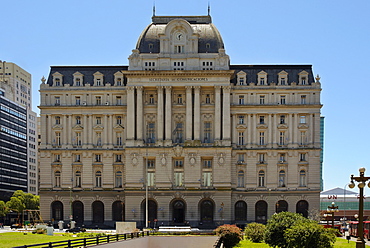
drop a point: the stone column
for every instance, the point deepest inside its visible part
(168, 126)
(196, 112)
(105, 130)
(130, 113)
(189, 113)
(110, 126)
(226, 113)
(291, 127)
(64, 131)
(71, 124)
(160, 113)
(217, 112)
(86, 132)
(139, 106)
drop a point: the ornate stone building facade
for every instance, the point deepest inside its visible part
(215, 143)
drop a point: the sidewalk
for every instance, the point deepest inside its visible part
(355, 239)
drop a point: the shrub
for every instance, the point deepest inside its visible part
(229, 234)
(255, 232)
(276, 226)
(310, 234)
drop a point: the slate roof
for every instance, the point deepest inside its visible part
(272, 72)
(202, 25)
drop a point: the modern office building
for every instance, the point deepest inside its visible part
(205, 142)
(16, 88)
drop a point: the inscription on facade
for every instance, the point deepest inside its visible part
(178, 79)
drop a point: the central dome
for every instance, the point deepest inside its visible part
(209, 38)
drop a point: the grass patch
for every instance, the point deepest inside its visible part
(340, 243)
(11, 239)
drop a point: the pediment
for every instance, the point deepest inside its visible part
(78, 127)
(261, 126)
(303, 126)
(118, 126)
(240, 126)
(98, 127)
(282, 126)
(57, 127)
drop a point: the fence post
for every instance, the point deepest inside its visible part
(50, 245)
(69, 243)
(117, 237)
(85, 242)
(132, 235)
(125, 236)
(108, 238)
(97, 240)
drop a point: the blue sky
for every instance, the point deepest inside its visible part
(333, 36)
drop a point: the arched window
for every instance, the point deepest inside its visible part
(78, 179)
(178, 211)
(57, 210)
(98, 179)
(57, 179)
(118, 211)
(152, 212)
(302, 208)
(302, 178)
(261, 178)
(261, 211)
(281, 206)
(282, 178)
(241, 179)
(206, 211)
(118, 179)
(240, 211)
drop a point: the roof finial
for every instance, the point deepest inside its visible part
(154, 8)
(209, 8)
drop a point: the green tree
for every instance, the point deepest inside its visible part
(255, 231)
(230, 235)
(310, 234)
(276, 226)
(29, 200)
(3, 209)
(15, 204)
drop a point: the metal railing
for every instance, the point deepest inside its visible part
(84, 242)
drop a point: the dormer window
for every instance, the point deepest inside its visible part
(262, 78)
(78, 82)
(283, 78)
(303, 78)
(57, 79)
(119, 82)
(242, 78)
(77, 79)
(98, 79)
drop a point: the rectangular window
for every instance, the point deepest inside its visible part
(241, 100)
(282, 138)
(58, 139)
(207, 179)
(151, 99)
(282, 81)
(302, 157)
(282, 99)
(262, 81)
(179, 163)
(262, 119)
(241, 157)
(303, 80)
(262, 138)
(151, 133)
(98, 120)
(179, 99)
(262, 99)
(179, 49)
(303, 138)
(57, 100)
(179, 133)
(118, 100)
(207, 132)
(302, 119)
(261, 158)
(179, 175)
(118, 158)
(97, 157)
(151, 178)
(178, 65)
(282, 157)
(208, 99)
(77, 158)
(98, 100)
(241, 119)
(282, 119)
(303, 99)
(57, 158)
(241, 138)
(78, 100)
(118, 120)
(151, 164)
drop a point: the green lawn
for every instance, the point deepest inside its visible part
(340, 243)
(11, 239)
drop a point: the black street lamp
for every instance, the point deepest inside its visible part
(360, 242)
(331, 210)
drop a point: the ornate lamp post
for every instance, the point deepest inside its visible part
(331, 210)
(360, 243)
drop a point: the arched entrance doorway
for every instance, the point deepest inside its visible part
(118, 211)
(178, 212)
(78, 212)
(281, 206)
(57, 210)
(98, 212)
(302, 208)
(240, 211)
(261, 211)
(152, 212)
(206, 212)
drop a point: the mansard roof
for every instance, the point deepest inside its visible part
(272, 72)
(209, 41)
